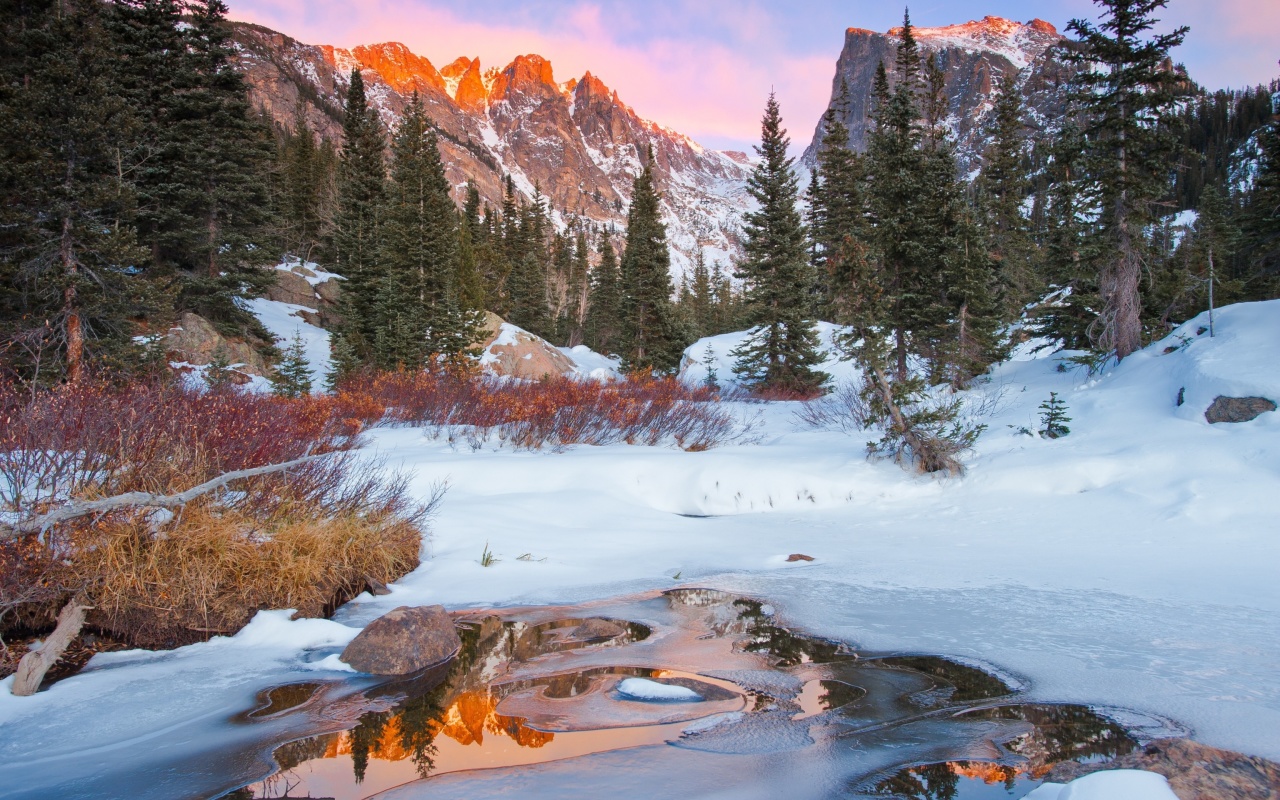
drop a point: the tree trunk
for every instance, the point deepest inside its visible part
(71, 305)
(34, 665)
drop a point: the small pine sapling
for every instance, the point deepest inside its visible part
(218, 374)
(712, 381)
(1054, 418)
(293, 376)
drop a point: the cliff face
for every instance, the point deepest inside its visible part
(576, 142)
(975, 58)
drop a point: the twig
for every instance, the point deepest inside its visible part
(83, 508)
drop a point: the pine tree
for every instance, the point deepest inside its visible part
(71, 271)
(1002, 187)
(304, 177)
(1054, 418)
(838, 226)
(782, 350)
(420, 296)
(604, 303)
(1125, 99)
(1260, 220)
(206, 190)
(651, 338)
(361, 189)
(293, 375)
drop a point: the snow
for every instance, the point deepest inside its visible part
(593, 365)
(1130, 564)
(653, 692)
(1120, 784)
(716, 352)
(284, 322)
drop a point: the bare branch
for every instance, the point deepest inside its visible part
(83, 508)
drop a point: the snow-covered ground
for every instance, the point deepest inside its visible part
(1134, 563)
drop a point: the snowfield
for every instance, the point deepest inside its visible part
(1134, 563)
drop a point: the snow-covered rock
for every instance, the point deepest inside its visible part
(1120, 784)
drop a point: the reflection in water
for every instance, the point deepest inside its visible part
(1058, 733)
(533, 686)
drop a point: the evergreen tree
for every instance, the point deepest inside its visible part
(1125, 99)
(702, 298)
(421, 308)
(70, 268)
(304, 177)
(1072, 308)
(293, 375)
(205, 193)
(651, 338)
(838, 226)
(1260, 220)
(1002, 187)
(782, 350)
(604, 303)
(361, 189)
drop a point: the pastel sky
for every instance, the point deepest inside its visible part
(705, 67)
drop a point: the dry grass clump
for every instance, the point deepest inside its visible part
(309, 537)
(216, 569)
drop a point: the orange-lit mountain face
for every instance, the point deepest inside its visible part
(576, 142)
(975, 57)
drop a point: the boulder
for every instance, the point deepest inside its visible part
(195, 340)
(1237, 409)
(514, 352)
(404, 641)
(1195, 771)
(291, 287)
(598, 628)
(329, 290)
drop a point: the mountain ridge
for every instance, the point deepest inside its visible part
(577, 143)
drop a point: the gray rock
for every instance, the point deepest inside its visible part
(404, 641)
(292, 288)
(598, 628)
(1195, 771)
(1238, 409)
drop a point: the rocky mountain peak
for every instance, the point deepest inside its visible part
(529, 74)
(400, 68)
(1019, 42)
(975, 58)
(577, 143)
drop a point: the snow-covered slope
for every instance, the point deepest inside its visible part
(1131, 563)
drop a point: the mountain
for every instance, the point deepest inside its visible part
(576, 141)
(975, 57)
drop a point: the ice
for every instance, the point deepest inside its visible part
(1120, 784)
(653, 692)
(1131, 563)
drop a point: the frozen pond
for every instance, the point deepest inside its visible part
(689, 692)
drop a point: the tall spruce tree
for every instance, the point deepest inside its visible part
(206, 190)
(603, 324)
(1260, 218)
(782, 349)
(1002, 187)
(361, 189)
(70, 267)
(1124, 99)
(838, 227)
(651, 337)
(422, 308)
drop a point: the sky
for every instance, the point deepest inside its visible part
(706, 67)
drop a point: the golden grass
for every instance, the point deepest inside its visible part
(214, 568)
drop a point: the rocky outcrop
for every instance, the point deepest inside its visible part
(975, 58)
(1195, 771)
(194, 340)
(404, 641)
(1237, 409)
(513, 352)
(576, 141)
